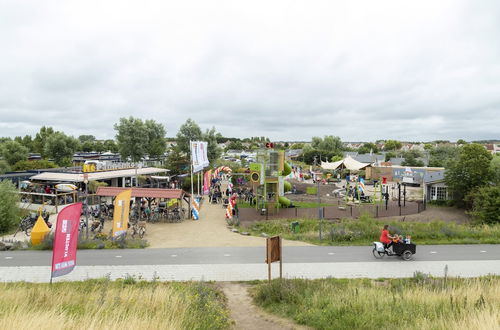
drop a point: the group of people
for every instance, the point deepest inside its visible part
(389, 240)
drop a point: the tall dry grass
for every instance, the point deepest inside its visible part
(418, 303)
(104, 304)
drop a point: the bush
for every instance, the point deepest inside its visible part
(9, 208)
(485, 204)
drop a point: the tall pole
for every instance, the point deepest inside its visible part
(320, 215)
(404, 195)
(86, 181)
(192, 190)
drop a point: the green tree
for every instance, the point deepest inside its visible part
(132, 138)
(156, 143)
(177, 162)
(86, 138)
(87, 146)
(40, 140)
(460, 141)
(389, 155)
(392, 145)
(189, 131)
(485, 203)
(12, 152)
(297, 146)
(471, 169)
(495, 169)
(61, 148)
(235, 145)
(367, 148)
(9, 209)
(428, 147)
(4, 167)
(410, 158)
(329, 143)
(26, 165)
(110, 145)
(441, 155)
(213, 150)
(99, 146)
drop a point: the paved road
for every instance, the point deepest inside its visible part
(247, 263)
(248, 255)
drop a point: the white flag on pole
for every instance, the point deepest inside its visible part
(199, 155)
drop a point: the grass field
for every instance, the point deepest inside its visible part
(103, 304)
(365, 230)
(418, 303)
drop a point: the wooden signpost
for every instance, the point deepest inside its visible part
(274, 253)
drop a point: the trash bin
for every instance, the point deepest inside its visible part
(295, 226)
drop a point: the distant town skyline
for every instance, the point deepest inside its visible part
(363, 70)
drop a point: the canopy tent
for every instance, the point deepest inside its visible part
(103, 175)
(347, 163)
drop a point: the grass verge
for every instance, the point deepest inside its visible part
(418, 303)
(100, 241)
(103, 304)
(365, 230)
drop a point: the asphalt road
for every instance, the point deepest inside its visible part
(249, 255)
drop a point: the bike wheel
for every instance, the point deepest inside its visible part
(407, 255)
(377, 254)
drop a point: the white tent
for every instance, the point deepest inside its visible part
(347, 163)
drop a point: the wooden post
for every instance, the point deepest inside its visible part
(268, 260)
(281, 258)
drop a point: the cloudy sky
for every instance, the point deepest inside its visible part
(290, 70)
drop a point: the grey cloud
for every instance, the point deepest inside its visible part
(290, 71)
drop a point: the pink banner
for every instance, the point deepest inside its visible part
(66, 240)
(206, 182)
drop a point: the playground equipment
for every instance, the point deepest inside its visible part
(220, 169)
(267, 176)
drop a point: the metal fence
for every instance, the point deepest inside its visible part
(332, 212)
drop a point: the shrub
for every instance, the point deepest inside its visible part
(485, 204)
(9, 209)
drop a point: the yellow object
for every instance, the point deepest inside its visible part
(121, 213)
(39, 231)
(172, 202)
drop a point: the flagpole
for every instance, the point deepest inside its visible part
(191, 167)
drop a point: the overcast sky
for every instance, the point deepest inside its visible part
(289, 70)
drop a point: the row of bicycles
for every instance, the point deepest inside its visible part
(158, 214)
(98, 214)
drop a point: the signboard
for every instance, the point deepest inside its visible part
(274, 253)
(65, 240)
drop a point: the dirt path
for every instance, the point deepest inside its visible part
(246, 315)
(210, 231)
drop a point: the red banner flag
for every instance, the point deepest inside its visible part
(66, 240)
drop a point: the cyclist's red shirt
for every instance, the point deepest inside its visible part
(384, 237)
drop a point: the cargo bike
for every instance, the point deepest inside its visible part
(400, 249)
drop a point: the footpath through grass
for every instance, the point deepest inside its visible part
(418, 303)
(365, 230)
(104, 304)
